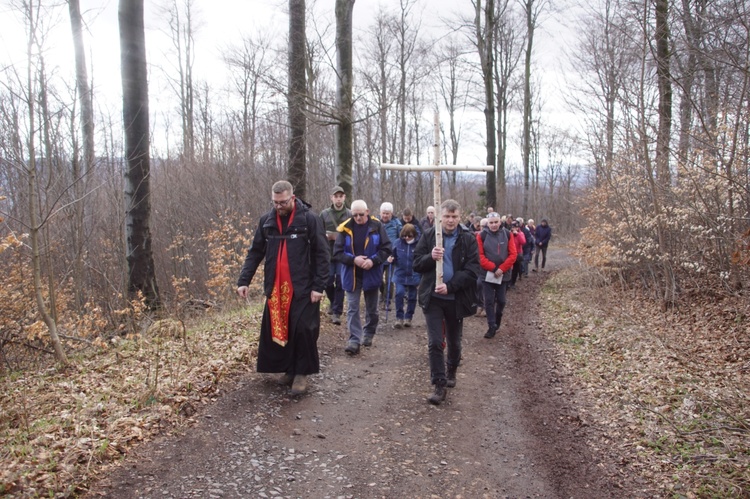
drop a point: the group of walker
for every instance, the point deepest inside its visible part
(348, 253)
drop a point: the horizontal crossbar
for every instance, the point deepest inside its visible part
(435, 168)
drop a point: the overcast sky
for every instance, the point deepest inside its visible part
(224, 22)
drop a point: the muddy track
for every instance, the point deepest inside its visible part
(509, 428)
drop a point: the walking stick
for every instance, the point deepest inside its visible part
(388, 291)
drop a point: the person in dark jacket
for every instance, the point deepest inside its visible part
(406, 279)
(429, 218)
(361, 248)
(542, 234)
(407, 217)
(332, 217)
(291, 241)
(445, 302)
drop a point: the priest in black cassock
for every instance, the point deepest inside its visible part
(291, 240)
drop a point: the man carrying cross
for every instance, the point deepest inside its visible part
(445, 304)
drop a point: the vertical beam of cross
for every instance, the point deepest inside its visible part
(436, 168)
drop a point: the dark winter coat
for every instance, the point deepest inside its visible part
(465, 257)
(543, 235)
(307, 248)
(377, 249)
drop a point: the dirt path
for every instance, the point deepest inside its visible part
(509, 428)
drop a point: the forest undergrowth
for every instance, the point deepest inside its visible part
(670, 389)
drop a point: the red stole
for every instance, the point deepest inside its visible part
(281, 296)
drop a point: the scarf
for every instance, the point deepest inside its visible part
(281, 295)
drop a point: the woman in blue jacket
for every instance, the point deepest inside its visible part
(406, 279)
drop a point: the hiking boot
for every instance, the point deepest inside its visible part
(451, 377)
(336, 319)
(367, 341)
(352, 348)
(399, 324)
(285, 379)
(299, 386)
(407, 323)
(438, 396)
(490, 332)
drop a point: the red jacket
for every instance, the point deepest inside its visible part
(507, 264)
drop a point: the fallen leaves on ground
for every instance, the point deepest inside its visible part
(668, 388)
(59, 429)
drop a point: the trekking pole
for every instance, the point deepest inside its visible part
(388, 291)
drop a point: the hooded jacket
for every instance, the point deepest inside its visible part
(377, 249)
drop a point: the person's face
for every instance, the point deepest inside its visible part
(338, 200)
(450, 219)
(431, 214)
(494, 224)
(283, 202)
(408, 218)
(385, 216)
(360, 216)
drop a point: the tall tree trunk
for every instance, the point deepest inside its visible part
(664, 78)
(81, 169)
(484, 22)
(140, 258)
(530, 28)
(344, 129)
(297, 98)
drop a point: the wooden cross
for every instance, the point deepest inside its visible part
(436, 168)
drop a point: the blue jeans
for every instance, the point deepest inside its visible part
(444, 328)
(334, 291)
(353, 322)
(411, 301)
(494, 301)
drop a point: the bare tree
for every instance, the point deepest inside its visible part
(484, 32)
(297, 97)
(182, 31)
(507, 56)
(81, 166)
(533, 10)
(34, 44)
(345, 70)
(141, 271)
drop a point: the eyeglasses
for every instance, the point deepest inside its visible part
(409, 237)
(357, 215)
(282, 203)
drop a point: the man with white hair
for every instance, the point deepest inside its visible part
(429, 218)
(393, 228)
(361, 248)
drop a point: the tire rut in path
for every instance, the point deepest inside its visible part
(509, 428)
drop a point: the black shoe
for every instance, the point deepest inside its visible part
(367, 341)
(438, 396)
(352, 348)
(490, 332)
(451, 378)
